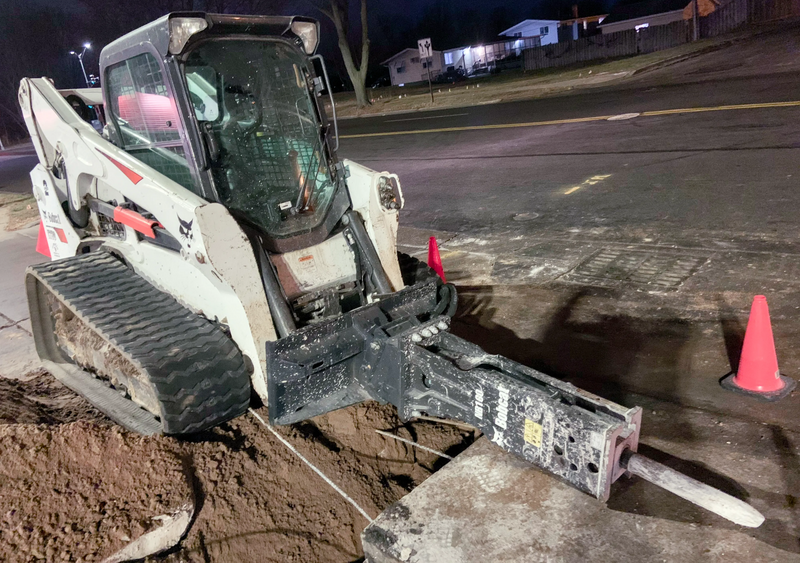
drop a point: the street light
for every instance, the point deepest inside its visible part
(80, 59)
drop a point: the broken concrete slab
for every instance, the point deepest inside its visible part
(487, 505)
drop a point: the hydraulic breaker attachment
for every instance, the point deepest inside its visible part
(394, 352)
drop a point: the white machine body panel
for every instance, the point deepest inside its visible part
(215, 273)
(364, 186)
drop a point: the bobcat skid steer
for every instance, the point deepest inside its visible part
(209, 245)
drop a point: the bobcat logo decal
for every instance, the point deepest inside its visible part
(185, 230)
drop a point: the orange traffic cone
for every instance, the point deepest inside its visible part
(758, 373)
(42, 246)
(434, 260)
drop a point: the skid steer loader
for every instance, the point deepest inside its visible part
(209, 246)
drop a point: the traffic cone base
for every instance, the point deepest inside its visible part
(729, 382)
(758, 374)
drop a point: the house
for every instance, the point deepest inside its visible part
(477, 59)
(406, 68)
(643, 14)
(547, 30)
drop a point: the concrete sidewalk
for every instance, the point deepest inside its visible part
(18, 251)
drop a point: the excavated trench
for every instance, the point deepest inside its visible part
(75, 487)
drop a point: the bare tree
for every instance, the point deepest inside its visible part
(338, 13)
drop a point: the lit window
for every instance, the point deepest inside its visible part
(448, 58)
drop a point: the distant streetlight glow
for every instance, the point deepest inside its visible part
(86, 46)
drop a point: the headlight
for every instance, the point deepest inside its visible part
(181, 29)
(308, 33)
(389, 193)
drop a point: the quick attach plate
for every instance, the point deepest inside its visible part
(330, 365)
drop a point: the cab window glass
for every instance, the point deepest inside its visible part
(255, 102)
(202, 84)
(146, 117)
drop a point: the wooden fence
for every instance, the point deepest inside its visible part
(607, 46)
(647, 40)
(727, 18)
(740, 12)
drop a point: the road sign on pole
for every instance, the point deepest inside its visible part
(426, 54)
(424, 45)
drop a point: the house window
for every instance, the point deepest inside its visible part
(400, 69)
(544, 30)
(448, 58)
(415, 60)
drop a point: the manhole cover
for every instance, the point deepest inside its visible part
(652, 269)
(524, 216)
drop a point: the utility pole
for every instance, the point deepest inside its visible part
(430, 86)
(695, 21)
(80, 59)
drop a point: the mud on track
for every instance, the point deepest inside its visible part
(75, 487)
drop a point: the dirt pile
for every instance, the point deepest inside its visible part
(78, 491)
(261, 503)
(41, 399)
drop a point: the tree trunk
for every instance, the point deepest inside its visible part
(357, 74)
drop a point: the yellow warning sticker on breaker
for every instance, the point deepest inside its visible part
(533, 433)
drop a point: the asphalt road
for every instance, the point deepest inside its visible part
(623, 254)
(684, 176)
(15, 165)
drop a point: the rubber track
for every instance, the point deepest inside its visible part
(195, 369)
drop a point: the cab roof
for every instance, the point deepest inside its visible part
(157, 32)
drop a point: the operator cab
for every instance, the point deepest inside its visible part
(229, 107)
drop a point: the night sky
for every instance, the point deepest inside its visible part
(37, 35)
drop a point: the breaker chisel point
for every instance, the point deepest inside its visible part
(723, 504)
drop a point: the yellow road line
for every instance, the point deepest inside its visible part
(575, 120)
(590, 182)
(478, 127)
(723, 108)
